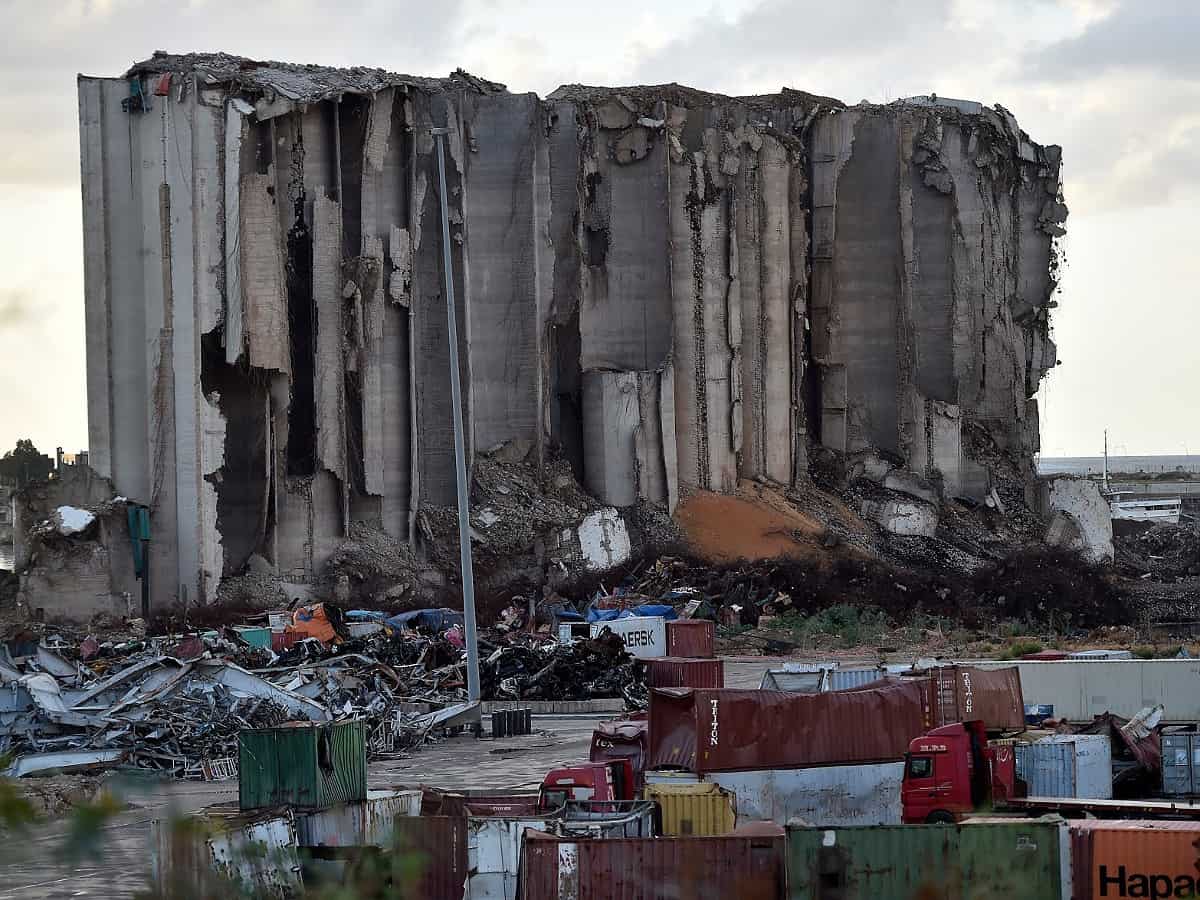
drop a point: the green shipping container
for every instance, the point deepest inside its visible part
(1013, 859)
(307, 765)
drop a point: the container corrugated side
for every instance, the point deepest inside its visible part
(867, 794)
(437, 846)
(690, 638)
(1074, 765)
(1181, 764)
(685, 673)
(1112, 859)
(1081, 689)
(365, 823)
(1019, 860)
(730, 730)
(847, 679)
(745, 866)
(346, 779)
(694, 809)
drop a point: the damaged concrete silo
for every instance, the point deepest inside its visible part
(670, 289)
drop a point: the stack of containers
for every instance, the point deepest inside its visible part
(690, 661)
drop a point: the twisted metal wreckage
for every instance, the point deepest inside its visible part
(176, 704)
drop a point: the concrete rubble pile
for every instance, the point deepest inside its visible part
(663, 291)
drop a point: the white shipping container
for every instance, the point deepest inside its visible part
(1067, 765)
(366, 823)
(645, 636)
(1081, 689)
(824, 796)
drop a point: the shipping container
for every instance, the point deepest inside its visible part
(494, 842)
(820, 795)
(692, 638)
(731, 730)
(800, 680)
(849, 679)
(1067, 765)
(222, 851)
(1015, 860)
(645, 636)
(747, 864)
(686, 673)
(1181, 764)
(1115, 859)
(303, 764)
(693, 809)
(832, 796)
(1081, 689)
(437, 846)
(367, 823)
(966, 694)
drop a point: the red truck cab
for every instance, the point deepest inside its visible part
(593, 781)
(953, 771)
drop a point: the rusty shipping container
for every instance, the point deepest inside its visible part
(694, 809)
(691, 638)
(438, 845)
(1135, 859)
(725, 730)
(672, 671)
(965, 693)
(747, 864)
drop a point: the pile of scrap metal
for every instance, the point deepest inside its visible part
(529, 667)
(176, 703)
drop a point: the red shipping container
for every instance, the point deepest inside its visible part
(282, 640)
(728, 730)
(439, 846)
(692, 638)
(670, 671)
(747, 864)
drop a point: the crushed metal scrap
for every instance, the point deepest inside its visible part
(176, 703)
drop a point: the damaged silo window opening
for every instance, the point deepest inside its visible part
(302, 411)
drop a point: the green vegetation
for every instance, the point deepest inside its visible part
(851, 626)
(1017, 649)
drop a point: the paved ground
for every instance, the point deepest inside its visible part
(118, 866)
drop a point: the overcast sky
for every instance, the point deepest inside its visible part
(1117, 84)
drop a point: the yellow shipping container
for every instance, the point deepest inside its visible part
(694, 809)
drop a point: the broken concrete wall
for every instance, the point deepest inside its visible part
(671, 290)
(1077, 517)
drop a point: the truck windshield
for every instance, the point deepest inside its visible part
(919, 767)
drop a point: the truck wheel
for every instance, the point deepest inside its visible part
(939, 817)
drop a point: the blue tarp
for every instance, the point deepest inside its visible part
(427, 619)
(646, 609)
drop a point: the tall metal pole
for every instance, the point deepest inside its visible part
(460, 458)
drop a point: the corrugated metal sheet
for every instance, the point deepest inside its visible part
(307, 765)
(694, 809)
(1081, 689)
(1077, 765)
(493, 855)
(366, 823)
(1016, 860)
(847, 679)
(710, 730)
(438, 844)
(821, 795)
(742, 865)
(1181, 764)
(1135, 859)
(690, 638)
(690, 673)
(806, 681)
